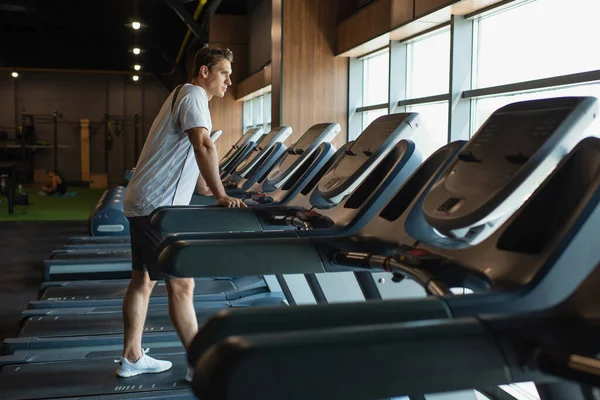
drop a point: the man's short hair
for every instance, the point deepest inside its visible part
(209, 57)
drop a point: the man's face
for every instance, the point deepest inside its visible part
(218, 78)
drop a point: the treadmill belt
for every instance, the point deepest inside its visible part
(86, 378)
(100, 255)
(117, 290)
(98, 324)
(103, 240)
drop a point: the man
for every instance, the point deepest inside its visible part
(166, 174)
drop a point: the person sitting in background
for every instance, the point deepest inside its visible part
(57, 184)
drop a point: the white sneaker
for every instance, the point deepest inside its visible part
(189, 376)
(145, 365)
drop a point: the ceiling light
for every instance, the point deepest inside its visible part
(136, 25)
(14, 74)
(135, 78)
(136, 50)
(137, 67)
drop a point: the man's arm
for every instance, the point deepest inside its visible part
(208, 162)
(202, 187)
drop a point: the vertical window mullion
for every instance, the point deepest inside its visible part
(398, 75)
(461, 56)
(355, 89)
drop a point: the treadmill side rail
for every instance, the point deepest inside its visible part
(244, 321)
(235, 257)
(368, 362)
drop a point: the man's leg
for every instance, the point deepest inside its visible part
(135, 307)
(181, 309)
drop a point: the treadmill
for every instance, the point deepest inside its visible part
(522, 141)
(94, 356)
(396, 167)
(547, 331)
(377, 151)
(240, 150)
(266, 152)
(527, 266)
(282, 345)
(291, 172)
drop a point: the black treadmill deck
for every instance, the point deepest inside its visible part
(86, 378)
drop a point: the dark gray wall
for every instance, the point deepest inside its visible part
(77, 96)
(260, 36)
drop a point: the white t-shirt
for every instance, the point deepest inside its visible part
(167, 171)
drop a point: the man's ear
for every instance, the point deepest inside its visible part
(204, 71)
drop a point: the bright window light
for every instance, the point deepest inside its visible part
(135, 78)
(136, 25)
(137, 67)
(15, 74)
(375, 78)
(136, 50)
(429, 65)
(519, 45)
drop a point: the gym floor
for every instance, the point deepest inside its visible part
(25, 244)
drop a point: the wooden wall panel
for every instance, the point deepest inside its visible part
(315, 82)
(424, 7)
(253, 83)
(370, 22)
(276, 61)
(229, 31)
(260, 36)
(401, 12)
(226, 28)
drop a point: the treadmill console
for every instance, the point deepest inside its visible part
(511, 154)
(276, 135)
(307, 144)
(370, 147)
(316, 133)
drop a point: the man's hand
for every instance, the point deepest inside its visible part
(231, 202)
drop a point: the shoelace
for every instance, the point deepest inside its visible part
(144, 350)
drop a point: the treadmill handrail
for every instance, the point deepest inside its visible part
(377, 361)
(244, 321)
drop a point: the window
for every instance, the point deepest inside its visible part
(428, 65)
(267, 112)
(369, 86)
(257, 112)
(536, 40)
(433, 132)
(428, 74)
(484, 107)
(247, 115)
(370, 116)
(376, 78)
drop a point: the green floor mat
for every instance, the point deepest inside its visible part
(53, 208)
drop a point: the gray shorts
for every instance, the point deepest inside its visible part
(144, 242)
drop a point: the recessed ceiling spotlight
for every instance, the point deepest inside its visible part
(136, 25)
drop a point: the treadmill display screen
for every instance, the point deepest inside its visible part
(309, 138)
(506, 142)
(377, 133)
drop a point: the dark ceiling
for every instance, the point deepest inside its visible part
(92, 34)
